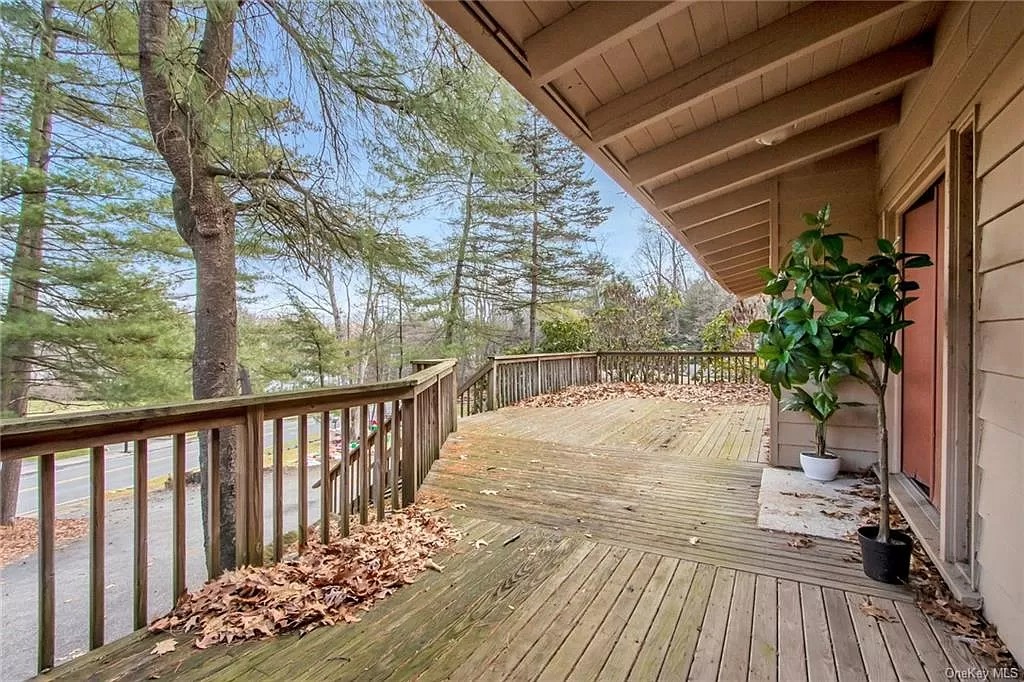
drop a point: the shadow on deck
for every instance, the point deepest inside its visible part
(620, 541)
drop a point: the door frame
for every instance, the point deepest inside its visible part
(954, 158)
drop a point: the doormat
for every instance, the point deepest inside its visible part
(792, 503)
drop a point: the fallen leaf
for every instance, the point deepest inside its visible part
(694, 540)
(164, 647)
(433, 566)
(876, 612)
(488, 492)
(480, 543)
(458, 506)
(800, 542)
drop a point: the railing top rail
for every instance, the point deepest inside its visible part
(506, 359)
(32, 436)
(715, 353)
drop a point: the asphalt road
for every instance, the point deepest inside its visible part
(19, 581)
(73, 473)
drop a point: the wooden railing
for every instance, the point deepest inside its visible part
(415, 416)
(507, 379)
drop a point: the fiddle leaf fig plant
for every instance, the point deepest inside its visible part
(829, 316)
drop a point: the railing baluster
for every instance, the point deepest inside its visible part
(47, 520)
(140, 597)
(396, 431)
(303, 463)
(346, 471)
(178, 550)
(325, 477)
(213, 567)
(278, 489)
(364, 464)
(97, 499)
(409, 455)
(380, 460)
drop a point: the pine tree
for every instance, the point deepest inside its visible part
(543, 243)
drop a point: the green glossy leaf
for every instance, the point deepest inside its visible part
(886, 246)
(869, 342)
(758, 327)
(821, 292)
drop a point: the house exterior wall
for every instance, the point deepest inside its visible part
(979, 69)
(848, 182)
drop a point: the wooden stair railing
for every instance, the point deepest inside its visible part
(396, 457)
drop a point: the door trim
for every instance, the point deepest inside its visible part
(958, 510)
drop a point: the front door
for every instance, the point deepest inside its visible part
(923, 232)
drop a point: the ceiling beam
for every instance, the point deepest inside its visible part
(587, 32)
(856, 83)
(725, 204)
(751, 239)
(728, 224)
(812, 145)
(795, 35)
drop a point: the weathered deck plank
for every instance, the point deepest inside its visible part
(638, 558)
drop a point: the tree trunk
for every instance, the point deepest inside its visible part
(883, 471)
(17, 352)
(455, 300)
(534, 275)
(203, 213)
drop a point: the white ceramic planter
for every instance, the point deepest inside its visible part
(819, 468)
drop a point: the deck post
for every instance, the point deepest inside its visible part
(492, 385)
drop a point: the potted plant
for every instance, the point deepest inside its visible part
(820, 404)
(853, 317)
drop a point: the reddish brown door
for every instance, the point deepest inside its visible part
(923, 232)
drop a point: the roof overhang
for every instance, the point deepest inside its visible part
(693, 108)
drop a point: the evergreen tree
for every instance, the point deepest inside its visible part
(542, 242)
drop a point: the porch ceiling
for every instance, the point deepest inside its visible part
(671, 98)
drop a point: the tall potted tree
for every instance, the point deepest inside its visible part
(848, 313)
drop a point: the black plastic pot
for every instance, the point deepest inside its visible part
(887, 562)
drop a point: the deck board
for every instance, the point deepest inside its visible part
(638, 558)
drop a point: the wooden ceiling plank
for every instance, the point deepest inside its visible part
(812, 145)
(728, 224)
(750, 267)
(749, 283)
(850, 84)
(737, 270)
(734, 257)
(587, 32)
(750, 239)
(796, 34)
(745, 197)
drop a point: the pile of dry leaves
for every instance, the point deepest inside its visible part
(21, 539)
(931, 593)
(721, 393)
(327, 584)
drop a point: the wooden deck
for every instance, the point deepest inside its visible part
(621, 544)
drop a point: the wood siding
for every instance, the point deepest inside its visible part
(979, 67)
(848, 182)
